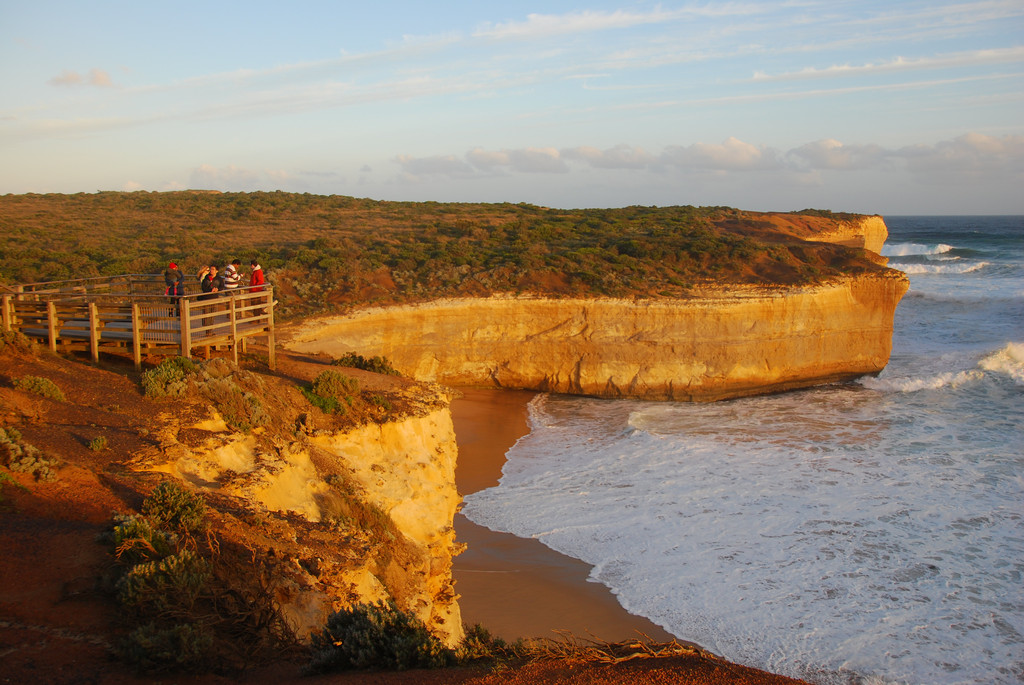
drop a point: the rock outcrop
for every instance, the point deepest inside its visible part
(717, 343)
(359, 515)
(713, 346)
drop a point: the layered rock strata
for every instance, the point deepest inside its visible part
(403, 469)
(717, 345)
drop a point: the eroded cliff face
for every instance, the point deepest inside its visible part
(712, 346)
(397, 476)
(868, 232)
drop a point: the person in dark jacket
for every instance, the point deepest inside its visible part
(175, 282)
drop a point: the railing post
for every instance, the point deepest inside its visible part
(136, 336)
(271, 346)
(51, 324)
(186, 329)
(7, 313)
(94, 332)
(234, 329)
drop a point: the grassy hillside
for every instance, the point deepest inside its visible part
(326, 252)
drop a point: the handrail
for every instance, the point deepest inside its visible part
(154, 319)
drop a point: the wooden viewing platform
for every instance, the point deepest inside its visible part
(131, 311)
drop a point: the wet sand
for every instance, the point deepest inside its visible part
(512, 586)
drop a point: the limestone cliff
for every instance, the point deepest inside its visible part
(356, 515)
(868, 232)
(712, 346)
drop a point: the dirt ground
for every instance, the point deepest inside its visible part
(57, 619)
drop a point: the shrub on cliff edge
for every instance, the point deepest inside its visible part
(332, 392)
(376, 636)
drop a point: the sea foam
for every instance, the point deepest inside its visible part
(947, 268)
(1009, 360)
(908, 249)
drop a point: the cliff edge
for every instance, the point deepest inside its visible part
(716, 342)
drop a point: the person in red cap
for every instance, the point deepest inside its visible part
(174, 279)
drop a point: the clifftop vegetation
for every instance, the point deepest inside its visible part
(328, 252)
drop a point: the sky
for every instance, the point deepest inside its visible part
(889, 107)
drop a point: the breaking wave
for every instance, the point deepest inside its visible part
(908, 249)
(948, 268)
(1009, 360)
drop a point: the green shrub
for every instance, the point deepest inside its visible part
(21, 457)
(169, 378)
(172, 507)
(173, 582)
(154, 647)
(98, 444)
(376, 636)
(241, 410)
(137, 539)
(16, 340)
(479, 645)
(375, 364)
(181, 612)
(332, 392)
(40, 386)
(382, 402)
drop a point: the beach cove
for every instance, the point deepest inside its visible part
(516, 587)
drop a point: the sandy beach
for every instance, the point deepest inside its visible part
(512, 586)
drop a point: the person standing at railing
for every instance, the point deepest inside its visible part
(256, 280)
(211, 284)
(232, 279)
(174, 279)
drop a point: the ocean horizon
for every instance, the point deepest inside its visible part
(861, 532)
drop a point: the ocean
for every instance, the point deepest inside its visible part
(862, 532)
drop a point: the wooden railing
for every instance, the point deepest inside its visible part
(123, 311)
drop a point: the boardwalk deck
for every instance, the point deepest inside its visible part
(124, 312)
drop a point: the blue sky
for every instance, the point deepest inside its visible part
(875, 107)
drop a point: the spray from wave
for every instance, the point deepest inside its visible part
(1009, 361)
(911, 249)
(940, 268)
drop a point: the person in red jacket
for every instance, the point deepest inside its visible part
(256, 277)
(256, 280)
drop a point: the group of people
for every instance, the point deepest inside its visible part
(210, 282)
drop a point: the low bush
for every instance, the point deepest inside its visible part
(15, 340)
(332, 392)
(375, 364)
(136, 539)
(21, 457)
(173, 582)
(169, 378)
(376, 636)
(155, 647)
(185, 606)
(172, 507)
(98, 444)
(40, 386)
(241, 410)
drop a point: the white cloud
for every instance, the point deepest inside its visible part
(544, 25)
(449, 165)
(618, 157)
(96, 77)
(968, 157)
(951, 60)
(832, 154)
(533, 160)
(731, 155)
(487, 160)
